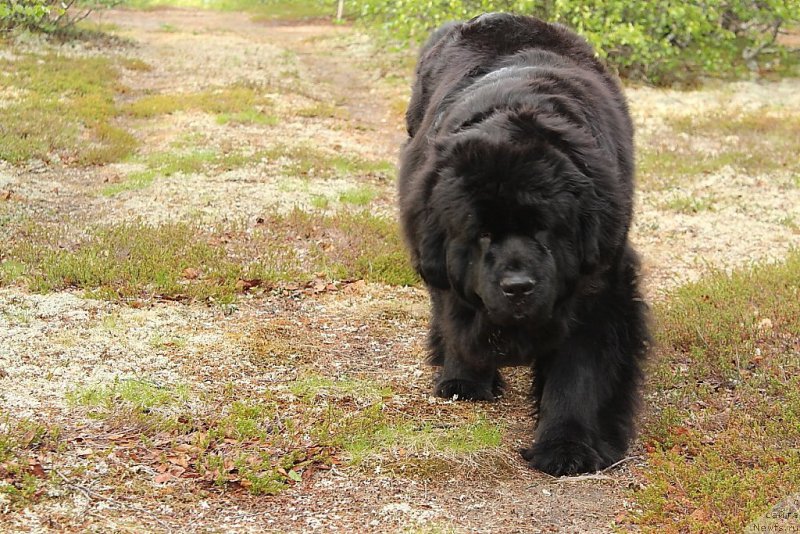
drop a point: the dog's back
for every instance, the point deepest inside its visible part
(458, 53)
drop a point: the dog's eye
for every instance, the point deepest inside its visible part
(486, 235)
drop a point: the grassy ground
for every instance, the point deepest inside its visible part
(62, 109)
(188, 262)
(722, 435)
(205, 306)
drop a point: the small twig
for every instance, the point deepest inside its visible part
(750, 55)
(64, 12)
(620, 462)
(89, 494)
(79, 18)
(600, 475)
(581, 478)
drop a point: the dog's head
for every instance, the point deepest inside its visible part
(513, 221)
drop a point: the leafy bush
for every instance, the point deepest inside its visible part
(660, 41)
(46, 15)
(24, 13)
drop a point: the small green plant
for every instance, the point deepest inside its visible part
(790, 222)
(137, 394)
(133, 182)
(689, 204)
(10, 271)
(321, 110)
(358, 196)
(320, 202)
(135, 64)
(145, 260)
(30, 14)
(22, 476)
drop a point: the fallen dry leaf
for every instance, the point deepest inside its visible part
(163, 478)
(36, 468)
(243, 285)
(191, 273)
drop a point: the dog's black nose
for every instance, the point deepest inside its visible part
(517, 285)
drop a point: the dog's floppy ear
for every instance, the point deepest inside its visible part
(432, 266)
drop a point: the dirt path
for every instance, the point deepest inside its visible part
(50, 344)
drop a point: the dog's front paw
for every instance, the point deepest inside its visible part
(563, 457)
(464, 390)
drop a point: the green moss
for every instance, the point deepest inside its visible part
(265, 442)
(320, 202)
(246, 420)
(390, 267)
(11, 270)
(111, 144)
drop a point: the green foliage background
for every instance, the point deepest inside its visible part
(49, 16)
(25, 13)
(660, 41)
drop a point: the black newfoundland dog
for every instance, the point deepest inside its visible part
(515, 196)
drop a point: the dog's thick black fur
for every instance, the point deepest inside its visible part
(515, 196)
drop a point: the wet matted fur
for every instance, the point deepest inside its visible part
(516, 189)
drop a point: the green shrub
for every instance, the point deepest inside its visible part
(49, 16)
(30, 14)
(661, 41)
